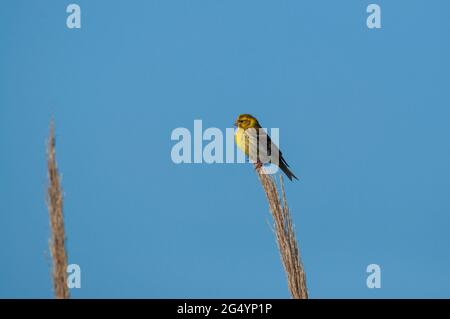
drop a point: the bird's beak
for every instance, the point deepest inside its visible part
(236, 123)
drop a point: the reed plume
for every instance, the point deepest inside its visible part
(285, 235)
(55, 210)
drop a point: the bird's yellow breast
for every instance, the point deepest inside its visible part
(240, 140)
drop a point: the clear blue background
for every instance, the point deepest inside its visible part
(364, 122)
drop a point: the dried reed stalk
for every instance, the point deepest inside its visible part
(55, 210)
(285, 235)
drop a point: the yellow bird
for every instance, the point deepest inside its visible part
(257, 145)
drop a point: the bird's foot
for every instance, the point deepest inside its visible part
(258, 165)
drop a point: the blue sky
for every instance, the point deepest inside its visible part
(363, 117)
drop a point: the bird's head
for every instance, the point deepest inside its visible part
(246, 121)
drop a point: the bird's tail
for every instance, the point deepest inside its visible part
(285, 168)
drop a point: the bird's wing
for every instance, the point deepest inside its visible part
(260, 146)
